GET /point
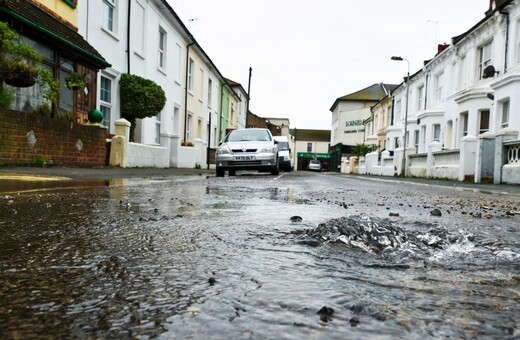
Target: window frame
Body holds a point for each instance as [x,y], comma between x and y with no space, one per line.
[482,130]
[161,49]
[439,86]
[191,65]
[210,91]
[109,22]
[483,63]
[189,124]
[505,114]
[158,126]
[436,133]
[103,104]
[420,97]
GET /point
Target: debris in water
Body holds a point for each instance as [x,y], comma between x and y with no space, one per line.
[296,219]
[435,212]
[326,313]
[367,233]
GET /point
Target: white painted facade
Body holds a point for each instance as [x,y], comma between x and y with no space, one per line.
[452,102]
[158,47]
[347,122]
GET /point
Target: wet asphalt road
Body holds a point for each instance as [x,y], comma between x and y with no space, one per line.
[203,257]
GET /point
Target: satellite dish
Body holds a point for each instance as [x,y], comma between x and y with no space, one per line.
[489,72]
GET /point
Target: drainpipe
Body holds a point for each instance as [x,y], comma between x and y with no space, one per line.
[426,92]
[128,37]
[186,89]
[220,113]
[87,12]
[506,13]
[249,90]
[392,114]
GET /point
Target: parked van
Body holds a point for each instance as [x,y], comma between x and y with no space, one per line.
[284,153]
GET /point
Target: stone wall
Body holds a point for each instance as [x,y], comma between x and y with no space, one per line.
[30,139]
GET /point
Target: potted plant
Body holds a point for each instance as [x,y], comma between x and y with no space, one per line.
[75,81]
[19,63]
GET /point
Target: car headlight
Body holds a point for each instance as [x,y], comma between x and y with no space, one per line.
[285,158]
[223,150]
[268,149]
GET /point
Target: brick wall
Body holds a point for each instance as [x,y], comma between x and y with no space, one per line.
[25,138]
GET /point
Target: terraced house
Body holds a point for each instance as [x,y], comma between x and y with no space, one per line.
[459,116]
[148,39]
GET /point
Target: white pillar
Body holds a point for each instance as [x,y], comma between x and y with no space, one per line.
[119,145]
[501,153]
[467,157]
[430,161]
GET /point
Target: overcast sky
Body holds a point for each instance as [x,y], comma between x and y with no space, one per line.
[307,53]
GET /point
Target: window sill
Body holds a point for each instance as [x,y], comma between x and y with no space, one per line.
[163,71]
[139,55]
[110,33]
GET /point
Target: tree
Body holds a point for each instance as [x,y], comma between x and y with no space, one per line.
[363,149]
[140,98]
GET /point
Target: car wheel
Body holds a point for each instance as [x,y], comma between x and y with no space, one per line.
[232,172]
[220,173]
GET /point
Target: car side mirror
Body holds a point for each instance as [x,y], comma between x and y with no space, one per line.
[220,143]
[275,141]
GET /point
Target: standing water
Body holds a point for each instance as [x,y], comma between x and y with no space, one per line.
[214,258]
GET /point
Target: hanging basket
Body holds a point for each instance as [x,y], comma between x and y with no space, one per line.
[20,81]
[75,81]
[19,74]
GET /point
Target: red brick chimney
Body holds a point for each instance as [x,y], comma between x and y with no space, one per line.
[442,47]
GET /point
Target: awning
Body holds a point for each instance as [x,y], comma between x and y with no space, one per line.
[313,155]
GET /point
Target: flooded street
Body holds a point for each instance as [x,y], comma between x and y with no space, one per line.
[301,255]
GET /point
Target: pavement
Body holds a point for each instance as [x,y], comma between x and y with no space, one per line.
[12,174]
[101,173]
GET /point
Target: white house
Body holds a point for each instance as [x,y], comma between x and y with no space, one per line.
[148,39]
[349,113]
[463,106]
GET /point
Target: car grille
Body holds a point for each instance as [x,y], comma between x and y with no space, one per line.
[242,150]
[247,163]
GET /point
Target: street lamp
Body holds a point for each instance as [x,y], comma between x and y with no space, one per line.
[396,58]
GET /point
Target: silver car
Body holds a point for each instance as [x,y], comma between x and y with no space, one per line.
[247,149]
[314,165]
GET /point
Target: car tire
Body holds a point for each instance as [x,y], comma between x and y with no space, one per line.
[232,172]
[220,173]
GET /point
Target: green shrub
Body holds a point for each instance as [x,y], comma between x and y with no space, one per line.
[140,98]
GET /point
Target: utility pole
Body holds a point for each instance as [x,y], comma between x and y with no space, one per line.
[248,91]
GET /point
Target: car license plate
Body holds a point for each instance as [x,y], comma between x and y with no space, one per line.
[244,158]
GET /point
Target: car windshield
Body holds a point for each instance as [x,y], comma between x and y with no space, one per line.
[315,162]
[282,146]
[248,136]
